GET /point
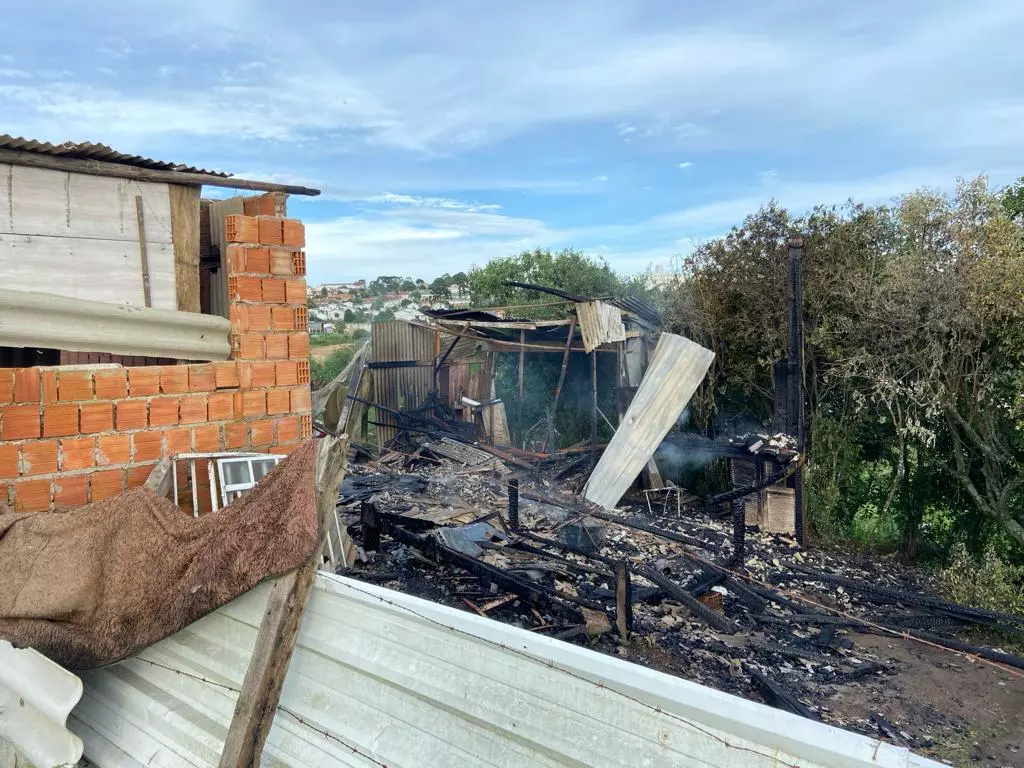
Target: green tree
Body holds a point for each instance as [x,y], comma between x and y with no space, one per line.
[440,289]
[407,285]
[568,270]
[350,316]
[1013,200]
[323,292]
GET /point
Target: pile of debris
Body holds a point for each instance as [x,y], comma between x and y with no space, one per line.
[660,583]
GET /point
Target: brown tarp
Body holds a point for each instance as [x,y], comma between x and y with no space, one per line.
[95,584]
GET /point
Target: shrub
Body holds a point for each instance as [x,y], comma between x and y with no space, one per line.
[992,584]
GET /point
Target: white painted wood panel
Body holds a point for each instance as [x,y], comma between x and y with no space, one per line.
[676,370]
[37,201]
[98,270]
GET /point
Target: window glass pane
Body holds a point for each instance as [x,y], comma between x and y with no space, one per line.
[260,467]
[237,472]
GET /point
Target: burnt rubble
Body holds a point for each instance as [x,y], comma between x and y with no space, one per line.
[660,583]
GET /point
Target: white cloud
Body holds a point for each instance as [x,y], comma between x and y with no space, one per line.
[106,71]
[6,58]
[15,74]
[417,201]
[600,178]
[686,164]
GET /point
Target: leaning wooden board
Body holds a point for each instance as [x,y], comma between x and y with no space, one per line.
[676,370]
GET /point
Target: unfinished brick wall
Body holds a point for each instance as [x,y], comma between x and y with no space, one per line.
[71,435]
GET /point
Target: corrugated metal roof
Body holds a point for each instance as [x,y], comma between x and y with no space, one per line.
[86,150]
[36,697]
[382,678]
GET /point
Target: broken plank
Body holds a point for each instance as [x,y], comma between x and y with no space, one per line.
[678,368]
[279,629]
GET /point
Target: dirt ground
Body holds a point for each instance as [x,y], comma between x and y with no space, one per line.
[972,713]
[322,353]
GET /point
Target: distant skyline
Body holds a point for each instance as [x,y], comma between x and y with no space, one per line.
[445,134]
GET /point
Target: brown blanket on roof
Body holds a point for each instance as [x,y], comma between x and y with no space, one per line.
[98,583]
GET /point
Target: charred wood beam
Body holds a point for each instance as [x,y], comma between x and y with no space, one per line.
[910,598]
[747,490]
[623,600]
[695,607]
[777,696]
[567,548]
[569,564]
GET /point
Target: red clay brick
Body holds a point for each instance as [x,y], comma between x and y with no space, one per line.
[174,379]
[226,375]
[19,422]
[106,483]
[295,291]
[260,205]
[136,477]
[74,385]
[301,321]
[250,346]
[294,233]
[257,260]
[262,375]
[32,496]
[305,427]
[26,385]
[284,449]
[6,385]
[147,446]
[39,458]
[276,346]
[278,401]
[301,399]
[261,433]
[274,290]
[60,420]
[235,259]
[193,409]
[78,453]
[143,381]
[236,435]
[201,378]
[258,317]
[111,384]
[95,417]
[302,371]
[131,414]
[163,411]
[248,288]
[70,491]
[221,407]
[8,462]
[254,403]
[206,438]
[298,346]
[241,229]
[281,262]
[48,384]
[287,374]
[178,440]
[299,262]
[271,231]
[282,318]
[5,489]
[287,429]
[114,449]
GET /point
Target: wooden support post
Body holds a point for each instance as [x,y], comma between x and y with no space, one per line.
[147,296]
[185,242]
[594,410]
[268,666]
[519,402]
[558,390]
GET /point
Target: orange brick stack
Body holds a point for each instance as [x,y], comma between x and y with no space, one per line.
[73,435]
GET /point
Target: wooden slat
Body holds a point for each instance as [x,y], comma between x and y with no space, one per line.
[143,256]
[677,369]
[185,240]
[600,323]
[268,666]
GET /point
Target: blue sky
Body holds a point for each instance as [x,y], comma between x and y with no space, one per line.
[446,133]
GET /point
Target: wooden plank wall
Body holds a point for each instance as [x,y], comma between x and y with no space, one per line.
[184,203]
[75,235]
[219,209]
[401,388]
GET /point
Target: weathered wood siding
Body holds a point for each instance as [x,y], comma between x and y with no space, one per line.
[78,236]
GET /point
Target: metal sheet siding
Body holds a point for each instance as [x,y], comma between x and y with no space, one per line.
[86,150]
[401,388]
[36,697]
[381,678]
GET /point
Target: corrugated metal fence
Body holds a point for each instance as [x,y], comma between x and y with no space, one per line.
[407,383]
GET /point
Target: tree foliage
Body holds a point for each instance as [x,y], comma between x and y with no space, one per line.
[914,355]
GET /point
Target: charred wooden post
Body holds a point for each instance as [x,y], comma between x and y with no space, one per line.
[739,530]
[550,447]
[623,600]
[513,504]
[594,410]
[795,370]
